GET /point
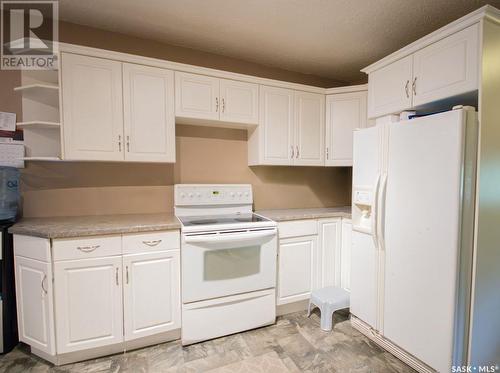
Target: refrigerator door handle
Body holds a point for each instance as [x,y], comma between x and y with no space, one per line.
[374,214]
[381,213]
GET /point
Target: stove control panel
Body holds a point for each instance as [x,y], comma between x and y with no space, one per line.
[212,194]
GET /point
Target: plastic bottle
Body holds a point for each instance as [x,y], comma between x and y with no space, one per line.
[9,193]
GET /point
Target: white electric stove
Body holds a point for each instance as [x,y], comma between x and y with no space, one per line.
[228,257]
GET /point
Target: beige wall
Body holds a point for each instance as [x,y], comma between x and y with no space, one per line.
[204,155]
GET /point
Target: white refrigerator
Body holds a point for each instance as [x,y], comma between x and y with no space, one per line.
[413,219]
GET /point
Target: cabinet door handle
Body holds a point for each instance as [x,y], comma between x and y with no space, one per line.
[88,249]
[293,153]
[43,284]
[223,104]
[128,143]
[414,86]
[406,89]
[297,155]
[327,153]
[116,277]
[217,104]
[120,143]
[126,273]
[151,243]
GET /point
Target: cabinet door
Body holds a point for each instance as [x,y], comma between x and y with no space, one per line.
[309,129]
[389,88]
[88,303]
[447,68]
[196,96]
[151,293]
[276,125]
[330,249]
[239,102]
[345,255]
[148,103]
[344,113]
[35,307]
[92,108]
[298,270]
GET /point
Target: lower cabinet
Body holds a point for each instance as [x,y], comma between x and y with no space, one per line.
[88,303]
[96,296]
[298,272]
[150,307]
[35,306]
[312,254]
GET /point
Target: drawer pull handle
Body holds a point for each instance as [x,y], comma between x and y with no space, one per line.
[88,249]
[42,284]
[151,243]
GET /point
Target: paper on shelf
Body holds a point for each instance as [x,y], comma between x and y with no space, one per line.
[7,121]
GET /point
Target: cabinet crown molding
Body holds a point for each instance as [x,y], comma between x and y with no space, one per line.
[486,12]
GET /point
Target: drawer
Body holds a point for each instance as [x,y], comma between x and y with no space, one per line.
[150,242]
[298,228]
[86,247]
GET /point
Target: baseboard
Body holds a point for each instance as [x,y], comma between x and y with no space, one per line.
[285,309]
[387,345]
[92,353]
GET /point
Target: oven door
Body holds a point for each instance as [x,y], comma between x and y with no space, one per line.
[218,264]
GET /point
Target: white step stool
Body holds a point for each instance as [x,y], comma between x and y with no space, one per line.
[328,300]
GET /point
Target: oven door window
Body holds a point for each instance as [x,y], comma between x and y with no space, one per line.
[227,264]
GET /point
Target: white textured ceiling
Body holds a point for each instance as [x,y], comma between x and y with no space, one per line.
[328,38]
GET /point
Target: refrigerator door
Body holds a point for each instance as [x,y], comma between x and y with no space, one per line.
[422,235]
[367,163]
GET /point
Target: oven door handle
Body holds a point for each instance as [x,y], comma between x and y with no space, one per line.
[240,239]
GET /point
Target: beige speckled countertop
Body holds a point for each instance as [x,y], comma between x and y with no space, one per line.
[78,226]
[299,214]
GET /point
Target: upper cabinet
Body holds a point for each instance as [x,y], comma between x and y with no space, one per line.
[239,102]
[291,129]
[196,96]
[344,113]
[272,141]
[309,129]
[200,97]
[149,123]
[389,89]
[92,108]
[446,68]
[114,115]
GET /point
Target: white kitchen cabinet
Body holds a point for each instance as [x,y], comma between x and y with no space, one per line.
[88,303]
[196,96]
[344,113]
[149,113]
[92,108]
[291,129]
[389,88]
[309,129]
[447,68]
[239,102]
[34,296]
[330,240]
[200,97]
[345,255]
[298,272]
[151,293]
[272,142]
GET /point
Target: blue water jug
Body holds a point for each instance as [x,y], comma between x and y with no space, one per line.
[9,192]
